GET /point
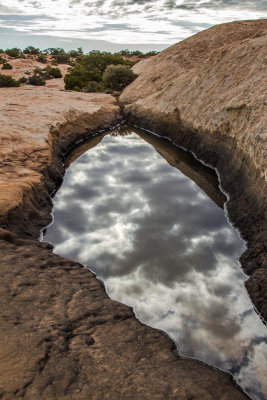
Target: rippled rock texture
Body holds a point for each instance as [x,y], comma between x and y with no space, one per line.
[63,338]
[208,94]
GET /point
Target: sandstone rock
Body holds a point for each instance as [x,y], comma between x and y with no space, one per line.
[208,94]
[34,120]
[61,336]
[215,81]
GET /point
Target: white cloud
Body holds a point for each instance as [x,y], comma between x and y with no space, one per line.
[161,248]
[137,22]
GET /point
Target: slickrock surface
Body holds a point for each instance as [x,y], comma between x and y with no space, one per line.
[61,336]
[24,67]
[208,94]
[38,124]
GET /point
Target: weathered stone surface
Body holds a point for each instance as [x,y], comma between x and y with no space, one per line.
[34,121]
[208,94]
[205,177]
[214,81]
[63,338]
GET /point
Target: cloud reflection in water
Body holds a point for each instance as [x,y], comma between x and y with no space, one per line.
[162,246]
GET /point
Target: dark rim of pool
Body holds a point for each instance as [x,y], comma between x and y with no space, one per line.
[148,218]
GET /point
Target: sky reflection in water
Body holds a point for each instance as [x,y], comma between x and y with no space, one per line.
[162,246]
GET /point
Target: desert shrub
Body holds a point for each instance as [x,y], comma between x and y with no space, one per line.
[148,54]
[38,71]
[42,59]
[72,64]
[61,58]
[52,72]
[136,53]
[139,54]
[108,91]
[14,52]
[125,53]
[6,66]
[129,53]
[2,60]
[90,68]
[8,81]
[53,50]
[93,87]
[36,80]
[23,80]
[76,53]
[39,75]
[75,82]
[151,53]
[117,77]
[31,50]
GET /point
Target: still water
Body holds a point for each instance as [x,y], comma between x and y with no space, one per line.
[163,245]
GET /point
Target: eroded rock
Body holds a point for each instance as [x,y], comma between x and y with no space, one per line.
[62,337]
[208,94]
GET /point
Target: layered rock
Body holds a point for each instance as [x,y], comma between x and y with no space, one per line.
[38,126]
[62,337]
[208,94]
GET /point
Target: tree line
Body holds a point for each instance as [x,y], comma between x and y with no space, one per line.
[96,71]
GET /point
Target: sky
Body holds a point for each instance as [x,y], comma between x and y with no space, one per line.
[112,25]
[164,248]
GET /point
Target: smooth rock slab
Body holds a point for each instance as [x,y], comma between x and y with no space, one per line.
[208,94]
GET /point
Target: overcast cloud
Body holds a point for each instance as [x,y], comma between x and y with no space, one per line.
[144,24]
[163,247]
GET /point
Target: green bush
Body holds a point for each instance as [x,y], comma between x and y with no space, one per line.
[31,50]
[74,82]
[90,68]
[151,53]
[76,53]
[93,87]
[139,54]
[53,72]
[2,60]
[61,58]
[7,66]
[53,50]
[14,52]
[23,80]
[117,77]
[8,81]
[37,80]
[42,59]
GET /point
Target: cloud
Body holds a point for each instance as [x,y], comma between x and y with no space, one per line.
[6,9]
[149,22]
[163,248]
[154,214]
[259,5]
